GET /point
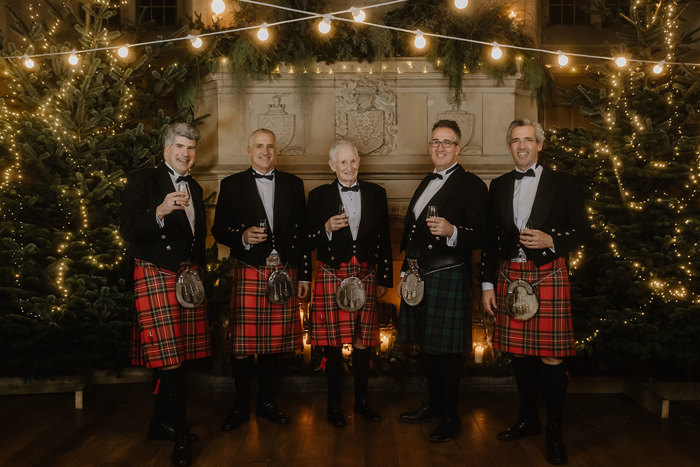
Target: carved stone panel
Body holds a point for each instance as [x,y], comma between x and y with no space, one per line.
[365,113]
[465,121]
[283,124]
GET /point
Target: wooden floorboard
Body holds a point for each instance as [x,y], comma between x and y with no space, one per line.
[600,430]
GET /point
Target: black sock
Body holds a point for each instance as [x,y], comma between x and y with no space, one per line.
[172,388]
[432,371]
[527,374]
[360,368]
[334,359]
[243,371]
[450,377]
[160,409]
[554,384]
[267,371]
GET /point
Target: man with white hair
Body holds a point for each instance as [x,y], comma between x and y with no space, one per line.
[536,218]
[348,224]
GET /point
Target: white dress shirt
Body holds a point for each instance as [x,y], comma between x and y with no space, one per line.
[433,187]
[266,191]
[352,202]
[189,209]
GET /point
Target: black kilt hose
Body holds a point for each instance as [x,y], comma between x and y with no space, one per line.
[441,323]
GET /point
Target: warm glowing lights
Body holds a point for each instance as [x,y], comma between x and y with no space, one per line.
[73,58]
[561,58]
[218,6]
[659,67]
[28,62]
[196,41]
[461,4]
[357,14]
[324,26]
[419,41]
[263,33]
[621,61]
[123,51]
[496,52]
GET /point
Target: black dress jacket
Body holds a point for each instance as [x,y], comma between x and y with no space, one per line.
[174,243]
[239,207]
[557,210]
[373,243]
[462,201]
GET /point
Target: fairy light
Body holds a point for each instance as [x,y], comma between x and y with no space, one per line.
[496,52]
[621,61]
[461,4]
[28,62]
[659,67]
[263,34]
[561,58]
[73,58]
[123,51]
[218,6]
[357,14]
[196,41]
[419,40]
[324,26]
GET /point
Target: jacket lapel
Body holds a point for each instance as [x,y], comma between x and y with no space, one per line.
[410,217]
[282,206]
[251,191]
[444,194]
[543,199]
[166,186]
[366,207]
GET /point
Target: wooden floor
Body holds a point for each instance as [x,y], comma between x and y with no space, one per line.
[600,430]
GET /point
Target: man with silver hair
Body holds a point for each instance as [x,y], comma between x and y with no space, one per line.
[163,220]
[536,218]
[348,224]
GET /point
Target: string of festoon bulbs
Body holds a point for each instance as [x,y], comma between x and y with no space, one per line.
[324,27]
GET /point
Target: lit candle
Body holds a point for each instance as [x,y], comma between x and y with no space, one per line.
[479,353]
[384,339]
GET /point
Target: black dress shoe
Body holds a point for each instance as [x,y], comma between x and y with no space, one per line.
[237,417]
[447,430]
[164,431]
[424,414]
[335,417]
[520,429]
[556,452]
[182,454]
[269,410]
[362,407]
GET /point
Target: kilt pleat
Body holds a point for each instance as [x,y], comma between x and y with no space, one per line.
[550,332]
[164,332]
[441,323]
[256,325]
[333,326]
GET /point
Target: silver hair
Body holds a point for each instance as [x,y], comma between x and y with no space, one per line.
[186,130]
[261,130]
[539,132]
[339,144]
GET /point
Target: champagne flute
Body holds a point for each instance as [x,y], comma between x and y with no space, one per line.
[341,210]
[262,223]
[184,187]
[432,211]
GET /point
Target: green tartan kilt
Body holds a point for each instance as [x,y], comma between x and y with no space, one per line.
[441,323]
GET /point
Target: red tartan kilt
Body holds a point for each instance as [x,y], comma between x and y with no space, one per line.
[333,326]
[550,332]
[256,325]
[165,333]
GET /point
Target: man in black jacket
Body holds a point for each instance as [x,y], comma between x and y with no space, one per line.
[165,229]
[445,222]
[348,223]
[260,217]
[536,218]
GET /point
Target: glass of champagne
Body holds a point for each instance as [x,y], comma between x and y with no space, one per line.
[432,211]
[341,210]
[262,223]
[184,187]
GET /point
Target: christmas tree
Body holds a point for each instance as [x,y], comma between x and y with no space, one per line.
[71,131]
[636,284]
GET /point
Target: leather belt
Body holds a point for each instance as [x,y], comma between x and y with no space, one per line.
[431,263]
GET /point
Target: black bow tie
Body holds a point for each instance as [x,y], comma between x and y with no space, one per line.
[268,177]
[355,187]
[434,175]
[186,178]
[520,175]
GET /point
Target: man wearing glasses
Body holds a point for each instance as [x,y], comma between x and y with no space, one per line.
[260,217]
[445,222]
[536,218]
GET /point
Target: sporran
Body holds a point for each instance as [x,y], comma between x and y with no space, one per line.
[350,294]
[521,300]
[189,288]
[413,287]
[279,287]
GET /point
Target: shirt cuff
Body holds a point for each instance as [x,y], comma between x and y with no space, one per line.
[245,245]
[452,241]
[161,222]
[330,235]
[487,286]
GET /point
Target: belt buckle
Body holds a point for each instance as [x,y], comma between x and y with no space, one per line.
[273,260]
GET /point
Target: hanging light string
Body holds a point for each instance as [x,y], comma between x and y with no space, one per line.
[353,10]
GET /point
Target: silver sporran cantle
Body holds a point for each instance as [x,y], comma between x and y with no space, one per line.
[350,294]
[413,286]
[521,300]
[279,287]
[189,288]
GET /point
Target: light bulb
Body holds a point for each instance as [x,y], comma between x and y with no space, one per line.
[659,67]
[123,51]
[419,41]
[218,6]
[496,51]
[196,41]
[357,14]
[263,33]
[73,58]
[562,59]
[461,4]
[325,25]
[620,61]
[28,62]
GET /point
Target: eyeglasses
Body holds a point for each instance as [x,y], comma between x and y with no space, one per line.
[445,143]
